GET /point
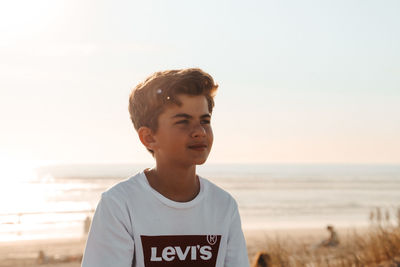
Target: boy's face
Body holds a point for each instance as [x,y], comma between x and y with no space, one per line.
[184,135]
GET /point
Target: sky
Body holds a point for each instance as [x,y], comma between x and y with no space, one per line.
[299,81]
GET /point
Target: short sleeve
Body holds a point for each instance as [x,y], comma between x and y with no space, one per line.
[236,254]
[110,241]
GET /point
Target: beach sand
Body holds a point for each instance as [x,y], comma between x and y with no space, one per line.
[25,253]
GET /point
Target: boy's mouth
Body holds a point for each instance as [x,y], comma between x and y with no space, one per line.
[198,147]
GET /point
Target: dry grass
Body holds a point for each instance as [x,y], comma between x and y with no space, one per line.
[380,246]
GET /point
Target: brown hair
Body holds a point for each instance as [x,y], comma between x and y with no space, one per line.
[149,98]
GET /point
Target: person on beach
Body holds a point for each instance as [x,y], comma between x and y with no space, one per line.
[86,225]
[333,239]
[168,215]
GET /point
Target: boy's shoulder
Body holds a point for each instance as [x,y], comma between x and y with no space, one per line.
[125,187]
[214,188]
[130,193]
[216,194]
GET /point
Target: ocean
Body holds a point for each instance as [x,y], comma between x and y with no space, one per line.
[56,200]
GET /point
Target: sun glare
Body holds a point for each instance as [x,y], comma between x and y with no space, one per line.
[14,171]
[15,188]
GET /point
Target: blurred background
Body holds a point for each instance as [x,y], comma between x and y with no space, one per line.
[306,123]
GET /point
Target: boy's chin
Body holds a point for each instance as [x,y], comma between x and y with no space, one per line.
[201,162]
[195,161]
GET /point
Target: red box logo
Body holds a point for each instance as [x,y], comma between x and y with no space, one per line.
[180,250]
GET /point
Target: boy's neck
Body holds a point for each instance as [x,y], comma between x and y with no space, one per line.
[176,183]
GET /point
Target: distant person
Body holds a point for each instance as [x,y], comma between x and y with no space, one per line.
[333,239]
[43,258]
[86,225]
[398,217]
[168,215]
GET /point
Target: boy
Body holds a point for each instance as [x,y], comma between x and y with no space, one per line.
[167,215]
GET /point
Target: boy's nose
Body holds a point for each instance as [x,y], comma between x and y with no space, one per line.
[199,131]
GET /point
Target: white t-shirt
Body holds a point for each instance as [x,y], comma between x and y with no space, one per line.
[134,225]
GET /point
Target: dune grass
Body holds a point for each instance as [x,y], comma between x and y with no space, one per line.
[379,246]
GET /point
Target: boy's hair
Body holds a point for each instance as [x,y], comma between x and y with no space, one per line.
[149,98]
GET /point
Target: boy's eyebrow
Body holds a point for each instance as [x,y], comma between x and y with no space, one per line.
[187,116]
[205,116]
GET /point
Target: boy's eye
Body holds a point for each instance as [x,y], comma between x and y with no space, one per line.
[205,122]
[182,122]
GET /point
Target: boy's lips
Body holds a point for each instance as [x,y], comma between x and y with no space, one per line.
[199,147]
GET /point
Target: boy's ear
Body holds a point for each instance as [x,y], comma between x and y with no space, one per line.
[146,137]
